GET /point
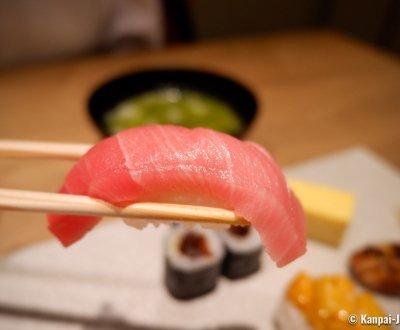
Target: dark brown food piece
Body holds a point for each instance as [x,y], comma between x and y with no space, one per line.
[194,245]
[378,268]
[239,230]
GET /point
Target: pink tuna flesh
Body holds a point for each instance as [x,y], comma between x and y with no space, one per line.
[189,166]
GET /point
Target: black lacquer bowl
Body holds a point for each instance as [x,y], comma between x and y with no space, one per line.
[112,92]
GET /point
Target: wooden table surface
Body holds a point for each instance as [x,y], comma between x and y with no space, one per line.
[318,92]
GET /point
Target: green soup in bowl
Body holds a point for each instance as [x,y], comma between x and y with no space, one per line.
[170,96]
[174,106]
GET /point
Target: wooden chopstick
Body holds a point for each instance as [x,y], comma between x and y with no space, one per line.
[21,200]
[49,150]
[83,205]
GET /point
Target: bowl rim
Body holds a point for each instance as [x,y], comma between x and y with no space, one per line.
[244,92]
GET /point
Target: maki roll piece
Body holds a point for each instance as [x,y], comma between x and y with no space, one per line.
[243,250]
[193,262]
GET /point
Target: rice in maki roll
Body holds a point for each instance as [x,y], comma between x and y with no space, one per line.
[193,261]
[243,251]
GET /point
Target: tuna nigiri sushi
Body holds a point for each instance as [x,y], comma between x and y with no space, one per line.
[172,164]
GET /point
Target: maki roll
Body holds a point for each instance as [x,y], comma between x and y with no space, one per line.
[193,261]
[243,251]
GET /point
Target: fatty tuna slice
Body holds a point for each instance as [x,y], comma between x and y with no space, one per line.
[199,166]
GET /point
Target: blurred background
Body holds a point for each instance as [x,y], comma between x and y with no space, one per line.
[321,79]
[37,30]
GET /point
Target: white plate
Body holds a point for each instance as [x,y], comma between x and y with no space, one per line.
[119,268]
